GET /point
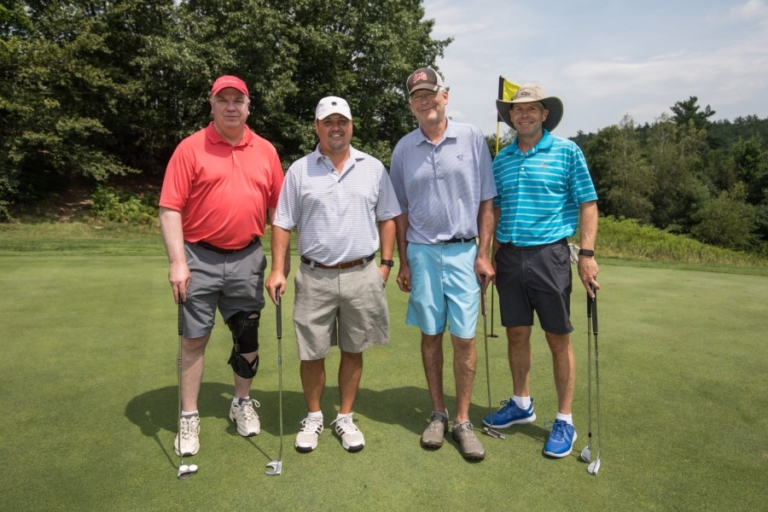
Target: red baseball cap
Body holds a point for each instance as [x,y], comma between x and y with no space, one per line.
[228,81]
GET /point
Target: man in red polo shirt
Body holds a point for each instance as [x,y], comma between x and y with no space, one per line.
[219,186]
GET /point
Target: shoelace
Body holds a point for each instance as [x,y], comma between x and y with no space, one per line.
[186,427]
[345,425]
[558,430]
[312,425]
[467,427]
[507,403]
[247,409]
[436,424]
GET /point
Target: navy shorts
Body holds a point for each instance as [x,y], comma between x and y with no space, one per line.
[535,279]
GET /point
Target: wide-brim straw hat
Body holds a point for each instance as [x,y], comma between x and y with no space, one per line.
[529,93]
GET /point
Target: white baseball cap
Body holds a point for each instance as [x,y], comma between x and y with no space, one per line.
[332,105]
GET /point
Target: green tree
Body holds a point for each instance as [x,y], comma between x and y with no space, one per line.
[689,111]
[97,89]
[727,221]
[676,155]
[625,181]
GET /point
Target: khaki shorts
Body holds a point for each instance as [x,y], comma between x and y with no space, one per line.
[346,307]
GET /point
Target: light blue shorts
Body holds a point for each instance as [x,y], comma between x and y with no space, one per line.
[444,288]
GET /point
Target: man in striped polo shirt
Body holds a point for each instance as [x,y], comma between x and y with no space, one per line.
[443,179]
[544,191]
[335,196]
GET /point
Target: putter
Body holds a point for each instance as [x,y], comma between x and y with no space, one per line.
[490,431]
[586,454]
[185,471]
[277,465]
[492,308]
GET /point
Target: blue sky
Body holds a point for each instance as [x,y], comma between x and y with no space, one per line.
[605,59]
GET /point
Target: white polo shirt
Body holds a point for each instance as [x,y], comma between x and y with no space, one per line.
[336,213]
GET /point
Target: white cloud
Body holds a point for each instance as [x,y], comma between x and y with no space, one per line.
[604,62]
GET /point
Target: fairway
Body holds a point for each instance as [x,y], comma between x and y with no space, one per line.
[88,387]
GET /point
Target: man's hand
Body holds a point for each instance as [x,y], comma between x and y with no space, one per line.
[404,276]
[484,271]
[179,277]
[275,285]
[588,270]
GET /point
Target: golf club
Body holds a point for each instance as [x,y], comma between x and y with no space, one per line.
[492,308]
[277,465]
[185,471]
[586,454]
[488,430]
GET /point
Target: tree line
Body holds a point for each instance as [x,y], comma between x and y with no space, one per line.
[684,174]
[97,90]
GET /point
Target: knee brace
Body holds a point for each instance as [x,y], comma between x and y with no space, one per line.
[245,337]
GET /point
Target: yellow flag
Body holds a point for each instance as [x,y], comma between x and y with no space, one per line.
[507,89]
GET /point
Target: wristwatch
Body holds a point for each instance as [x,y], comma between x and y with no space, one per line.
[586,252]
[389,263]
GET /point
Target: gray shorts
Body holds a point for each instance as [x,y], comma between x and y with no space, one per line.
[346,307]
[233,282]
[538,280]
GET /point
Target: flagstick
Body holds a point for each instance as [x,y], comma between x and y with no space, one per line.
[498,134]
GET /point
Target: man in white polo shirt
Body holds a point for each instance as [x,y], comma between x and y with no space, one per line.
[335,196]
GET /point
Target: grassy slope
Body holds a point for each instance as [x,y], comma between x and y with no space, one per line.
[89,399]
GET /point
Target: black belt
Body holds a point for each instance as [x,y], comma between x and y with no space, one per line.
[338,266]
[206,245]
[562,241]
[458,241]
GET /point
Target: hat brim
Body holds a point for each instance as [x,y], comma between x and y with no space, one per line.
[552,104]
[424,87]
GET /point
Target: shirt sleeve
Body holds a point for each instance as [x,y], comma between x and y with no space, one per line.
[388,206]
[396,177]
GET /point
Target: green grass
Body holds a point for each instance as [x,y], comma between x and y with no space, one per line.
[88,382]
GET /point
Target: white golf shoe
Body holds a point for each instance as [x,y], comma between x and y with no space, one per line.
[243,414]
[190,436]
[351,438]
[306,439]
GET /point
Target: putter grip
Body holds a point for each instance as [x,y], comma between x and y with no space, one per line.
[594,314]
[181,317]
[482,302]
[279,317]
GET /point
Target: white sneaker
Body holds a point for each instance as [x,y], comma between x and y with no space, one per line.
[245,417]
[306,439]
[190,436]
[351,438]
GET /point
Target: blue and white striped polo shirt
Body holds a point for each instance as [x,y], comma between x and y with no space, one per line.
[441,186]
[540,191]
[336,214]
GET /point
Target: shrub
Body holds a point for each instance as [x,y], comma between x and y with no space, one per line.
[110,205]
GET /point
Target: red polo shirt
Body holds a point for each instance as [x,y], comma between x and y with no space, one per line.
[222,191]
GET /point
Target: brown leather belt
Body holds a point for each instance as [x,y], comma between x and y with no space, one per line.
[206,245]
[340,266]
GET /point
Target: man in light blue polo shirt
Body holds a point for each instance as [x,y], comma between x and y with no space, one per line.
[335,196]
[544,191]
[443,179]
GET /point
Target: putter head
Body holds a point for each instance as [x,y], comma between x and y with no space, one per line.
[186,471]
[586,456]
[493,433]
[277,468]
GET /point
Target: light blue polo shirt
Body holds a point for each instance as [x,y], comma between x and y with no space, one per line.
[440,186]
[540,191]
[336,214]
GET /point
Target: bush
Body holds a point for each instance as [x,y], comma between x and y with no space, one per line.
[110,205]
